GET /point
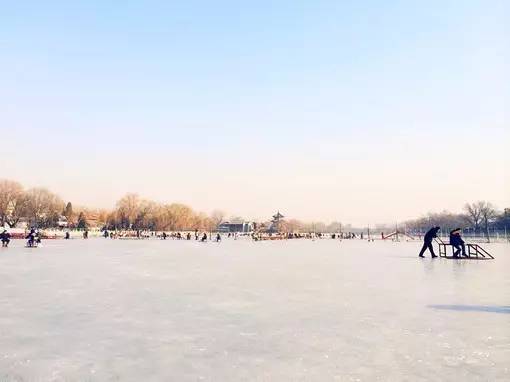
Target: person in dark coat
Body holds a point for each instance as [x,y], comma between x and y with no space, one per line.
[457,243]
[5,237]
[427,241]
[33,238]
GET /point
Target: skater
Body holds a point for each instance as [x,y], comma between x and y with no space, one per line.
[204,238]
[86,234]
[427,241]
[457,243]
[33,238]
[218,238]
[67,236]
[5,237]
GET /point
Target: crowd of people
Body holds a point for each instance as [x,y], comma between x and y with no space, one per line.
[459,247]
[113,234]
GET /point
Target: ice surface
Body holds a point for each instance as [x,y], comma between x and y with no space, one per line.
[151,310]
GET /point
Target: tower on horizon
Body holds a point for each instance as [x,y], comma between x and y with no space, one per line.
[275,222]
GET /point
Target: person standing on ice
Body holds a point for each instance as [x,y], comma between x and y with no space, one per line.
[457,243]
[427,241]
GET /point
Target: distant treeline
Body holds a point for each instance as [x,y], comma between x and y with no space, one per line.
[42,208]
[479,217]
[35,205]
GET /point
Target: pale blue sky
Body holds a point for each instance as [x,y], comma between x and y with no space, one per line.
[324,109]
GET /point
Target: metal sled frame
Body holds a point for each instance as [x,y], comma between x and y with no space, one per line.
[474,251]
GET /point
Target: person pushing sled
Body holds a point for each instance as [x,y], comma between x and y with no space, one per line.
[427,242]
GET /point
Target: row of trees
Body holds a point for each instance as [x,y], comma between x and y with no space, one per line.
[135,213]
[42,208]
[37,205]
[479,216]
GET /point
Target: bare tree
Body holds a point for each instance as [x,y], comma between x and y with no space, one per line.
[320,227]
[168,218]
[43,207]
[175,217]
[102,217]
[209,225]
[146,215]
[217,217]
[127,210]
[12,202]
[201,221]
[334,227]
[184,215]
[488,214]
[293,225]
[474,213]
[18,210]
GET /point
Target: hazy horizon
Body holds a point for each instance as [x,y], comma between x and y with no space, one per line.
[268,213]
[361,113]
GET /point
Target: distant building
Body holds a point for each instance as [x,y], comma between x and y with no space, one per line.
[244,227]
[275,223]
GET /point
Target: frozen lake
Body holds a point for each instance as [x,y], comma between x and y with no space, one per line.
[106,310]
